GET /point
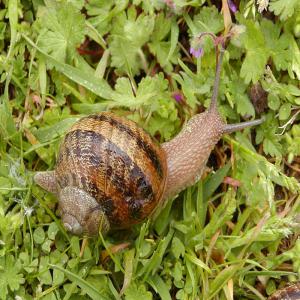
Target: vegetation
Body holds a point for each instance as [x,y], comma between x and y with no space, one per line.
[234,232]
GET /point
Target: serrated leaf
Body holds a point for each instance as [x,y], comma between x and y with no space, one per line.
[63,30]
[137,292]
[162,27]
[277,44]
[9,275]
[272,147]
[129,34]
[256,53]
[208,20]
[284,8]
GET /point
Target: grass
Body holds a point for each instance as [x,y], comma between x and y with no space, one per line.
[234,234]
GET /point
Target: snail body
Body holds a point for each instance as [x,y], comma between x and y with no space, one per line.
[289,292]
[111,174]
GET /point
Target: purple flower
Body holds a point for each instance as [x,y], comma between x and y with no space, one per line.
[232,6]
[178,97]
[196,52]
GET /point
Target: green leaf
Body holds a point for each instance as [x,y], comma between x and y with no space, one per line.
[272,147]
[63,30]
[128,261]
[39,235]
[273,101]
[162,27]
[9,275]
[222,214]
[284,8]
[7,125]
[46,247]
[129,34]
[177,247]
[52,230]
[99,12]
[152,94]
[164,53]
[208,20]
[237,89]
[285,111]
[137,292]
[256,53]
[277,44]
[58,277]
[266,133]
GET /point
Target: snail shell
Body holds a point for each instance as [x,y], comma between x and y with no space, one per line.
[117,163]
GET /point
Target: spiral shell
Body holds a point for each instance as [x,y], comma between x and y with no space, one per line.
[117,163]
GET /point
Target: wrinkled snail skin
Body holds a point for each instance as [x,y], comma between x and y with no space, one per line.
[290,292]
[188,152]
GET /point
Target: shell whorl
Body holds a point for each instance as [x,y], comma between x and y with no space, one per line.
[117,163]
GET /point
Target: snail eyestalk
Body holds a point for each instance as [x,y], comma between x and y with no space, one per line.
[239,126]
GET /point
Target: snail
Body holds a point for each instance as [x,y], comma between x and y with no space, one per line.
[111,174]
[289,292]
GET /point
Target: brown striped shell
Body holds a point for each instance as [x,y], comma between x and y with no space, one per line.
[289,292]
[117,163]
